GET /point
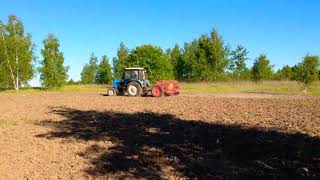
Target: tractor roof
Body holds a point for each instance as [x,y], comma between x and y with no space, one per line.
[137,68]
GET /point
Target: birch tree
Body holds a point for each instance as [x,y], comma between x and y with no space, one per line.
[308,71]
[16,52]
[53,72]
[237,65]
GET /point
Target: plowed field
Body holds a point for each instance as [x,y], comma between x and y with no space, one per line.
[65,135]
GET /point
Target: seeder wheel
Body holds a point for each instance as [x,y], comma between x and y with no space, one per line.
[157,91]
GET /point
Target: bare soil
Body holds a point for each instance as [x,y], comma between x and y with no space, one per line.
[59,135]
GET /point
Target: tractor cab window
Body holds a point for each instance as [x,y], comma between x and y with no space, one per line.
[142,75]
[131,75]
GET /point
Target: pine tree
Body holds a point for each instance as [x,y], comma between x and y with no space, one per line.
[175,58]
[89,71]
[120,60]
[217,54]
[104,74]
[285,73]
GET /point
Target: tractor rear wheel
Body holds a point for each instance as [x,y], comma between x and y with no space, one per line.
[134,89]
[157,91]
[112,92]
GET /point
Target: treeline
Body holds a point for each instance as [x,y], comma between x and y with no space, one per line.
[95,72]
[152,58]
[207,58]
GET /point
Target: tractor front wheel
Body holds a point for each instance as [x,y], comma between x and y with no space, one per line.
[157,91]
[134,89]
[112,92]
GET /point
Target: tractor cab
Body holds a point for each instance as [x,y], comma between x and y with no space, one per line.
[133,82]
[134,74]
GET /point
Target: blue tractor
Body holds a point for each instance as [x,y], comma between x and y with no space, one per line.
[133,82]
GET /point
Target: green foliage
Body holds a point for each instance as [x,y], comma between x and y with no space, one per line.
[176,59]
[4,78]
[282,87]
[295,72]
[89,71]
[119,61]
[237,64]
[152,59]
[104,74]
[285,73]
[53,73]
[16,54]
[308,70]
[245,74]
[261,70]
[180,69]
[205,58]
[72,82]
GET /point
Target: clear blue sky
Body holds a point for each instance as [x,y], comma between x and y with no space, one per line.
[284,30]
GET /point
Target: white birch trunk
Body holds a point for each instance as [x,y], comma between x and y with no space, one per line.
[17,75]
[8,62]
